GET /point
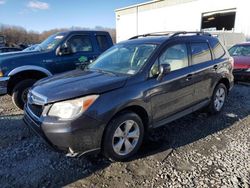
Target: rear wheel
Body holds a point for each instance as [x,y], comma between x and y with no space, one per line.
[123,137]
[218,99]
[20,92]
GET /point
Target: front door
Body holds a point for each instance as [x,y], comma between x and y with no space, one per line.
[174,92]
[83,51]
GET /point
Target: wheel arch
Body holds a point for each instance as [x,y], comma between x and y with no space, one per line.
[25,72]
[29,68]
[137,109]
[224,81]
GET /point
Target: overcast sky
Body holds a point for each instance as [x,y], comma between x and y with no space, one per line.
[48,14]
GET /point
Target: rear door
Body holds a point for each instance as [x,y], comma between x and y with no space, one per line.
[174,92]
[203,69]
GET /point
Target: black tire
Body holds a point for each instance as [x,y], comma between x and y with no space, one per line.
[18,94]
[212,109]
[107,145]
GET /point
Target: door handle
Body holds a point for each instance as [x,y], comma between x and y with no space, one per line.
[189,77]
[215,67]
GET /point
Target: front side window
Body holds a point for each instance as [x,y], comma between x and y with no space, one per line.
[80,43]
[200,53]
[240,50]
[176,56]
[124,58]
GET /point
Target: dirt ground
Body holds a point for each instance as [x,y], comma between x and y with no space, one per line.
[195,151]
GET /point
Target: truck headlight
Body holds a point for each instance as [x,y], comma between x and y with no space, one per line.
[72,108]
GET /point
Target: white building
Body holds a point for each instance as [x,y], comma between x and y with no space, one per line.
[183,15]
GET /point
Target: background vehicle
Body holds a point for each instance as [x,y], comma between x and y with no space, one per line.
[241,55]
[143,83]
[61,52]
[229,39]
[2,41]
[9,49]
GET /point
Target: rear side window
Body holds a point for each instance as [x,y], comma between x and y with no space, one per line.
[200,53]
[218,50]
[102,42]
[176,56]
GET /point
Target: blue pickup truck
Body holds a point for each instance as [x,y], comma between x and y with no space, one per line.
[59,53]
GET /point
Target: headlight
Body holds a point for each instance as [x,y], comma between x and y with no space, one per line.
[248,70]
[1,73]
[72,108]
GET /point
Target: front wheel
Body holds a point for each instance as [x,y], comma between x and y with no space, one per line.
[218,99]
[123,137]
[20,91]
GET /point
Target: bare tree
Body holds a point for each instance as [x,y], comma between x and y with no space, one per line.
[16,35]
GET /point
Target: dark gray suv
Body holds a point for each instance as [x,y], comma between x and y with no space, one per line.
[136,85]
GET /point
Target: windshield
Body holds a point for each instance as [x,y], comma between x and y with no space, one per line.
[31,48]
[50,43]
[240,50]
[124,58]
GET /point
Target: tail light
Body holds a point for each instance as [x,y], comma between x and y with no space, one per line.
[231,60]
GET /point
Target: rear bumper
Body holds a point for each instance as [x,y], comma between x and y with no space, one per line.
[77,137]
[3,85]
[241,76]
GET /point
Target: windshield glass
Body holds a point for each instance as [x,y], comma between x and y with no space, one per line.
[124,58]
[50,43]
[240,50]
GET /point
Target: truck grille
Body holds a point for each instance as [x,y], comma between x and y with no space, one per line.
[37,110]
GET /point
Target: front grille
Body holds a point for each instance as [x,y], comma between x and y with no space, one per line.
[37,110]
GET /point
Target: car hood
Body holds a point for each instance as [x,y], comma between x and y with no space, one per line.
[14,55]
[241,62]
[77,83]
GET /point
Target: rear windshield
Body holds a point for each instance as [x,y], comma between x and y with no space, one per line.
[240,50]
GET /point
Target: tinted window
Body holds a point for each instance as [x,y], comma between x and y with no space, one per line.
[102,42]
[217,48]
[176,56]
[80,43]
[200,53]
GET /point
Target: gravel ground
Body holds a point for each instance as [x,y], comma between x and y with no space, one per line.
[195,151]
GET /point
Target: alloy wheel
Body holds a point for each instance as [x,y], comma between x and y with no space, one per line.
[126,137]
[220,97]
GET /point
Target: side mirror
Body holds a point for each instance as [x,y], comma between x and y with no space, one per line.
[164,69]
[63,50]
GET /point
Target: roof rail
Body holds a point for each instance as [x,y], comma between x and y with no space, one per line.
[152,34]
[171,33]
[190,32]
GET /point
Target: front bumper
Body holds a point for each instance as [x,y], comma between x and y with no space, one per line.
[79,136]
[3,85]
